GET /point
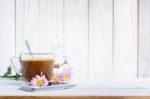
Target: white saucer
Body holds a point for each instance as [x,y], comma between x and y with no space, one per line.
[27,87]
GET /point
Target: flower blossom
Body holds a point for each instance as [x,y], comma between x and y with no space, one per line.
[39,81]
[67,74]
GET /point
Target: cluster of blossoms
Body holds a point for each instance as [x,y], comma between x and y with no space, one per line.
[59,75]
[62,74]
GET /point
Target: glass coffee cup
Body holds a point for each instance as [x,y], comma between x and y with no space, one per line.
[34,64]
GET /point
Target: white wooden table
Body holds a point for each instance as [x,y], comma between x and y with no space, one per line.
[103,88]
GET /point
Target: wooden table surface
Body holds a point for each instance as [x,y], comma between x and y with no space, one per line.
[10,89]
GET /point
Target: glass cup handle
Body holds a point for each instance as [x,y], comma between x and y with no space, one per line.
[13,66]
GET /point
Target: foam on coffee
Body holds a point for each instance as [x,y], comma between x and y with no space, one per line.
[37,59]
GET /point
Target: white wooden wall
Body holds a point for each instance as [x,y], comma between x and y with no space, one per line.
[40,22]
[144,38]
[7,32]
[101,38]
[76,34]
[125,38]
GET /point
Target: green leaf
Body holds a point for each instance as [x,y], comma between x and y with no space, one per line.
[8,75]
[8,72]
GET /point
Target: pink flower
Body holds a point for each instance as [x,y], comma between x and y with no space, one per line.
[39,81]
[67,74]
[56,78]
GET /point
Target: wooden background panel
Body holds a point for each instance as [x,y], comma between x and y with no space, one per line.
[7,32]
[125,38]
[27,24]
[144,38]
[100,39]
[51,27]
[40,22]
[76,35]
[59,47]
[83,30]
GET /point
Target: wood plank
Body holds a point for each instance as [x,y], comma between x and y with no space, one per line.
[76,35]
[100,39]
[7,32]
[27,24]
[75,97]
[125,38]
[144,38]
[40,22]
